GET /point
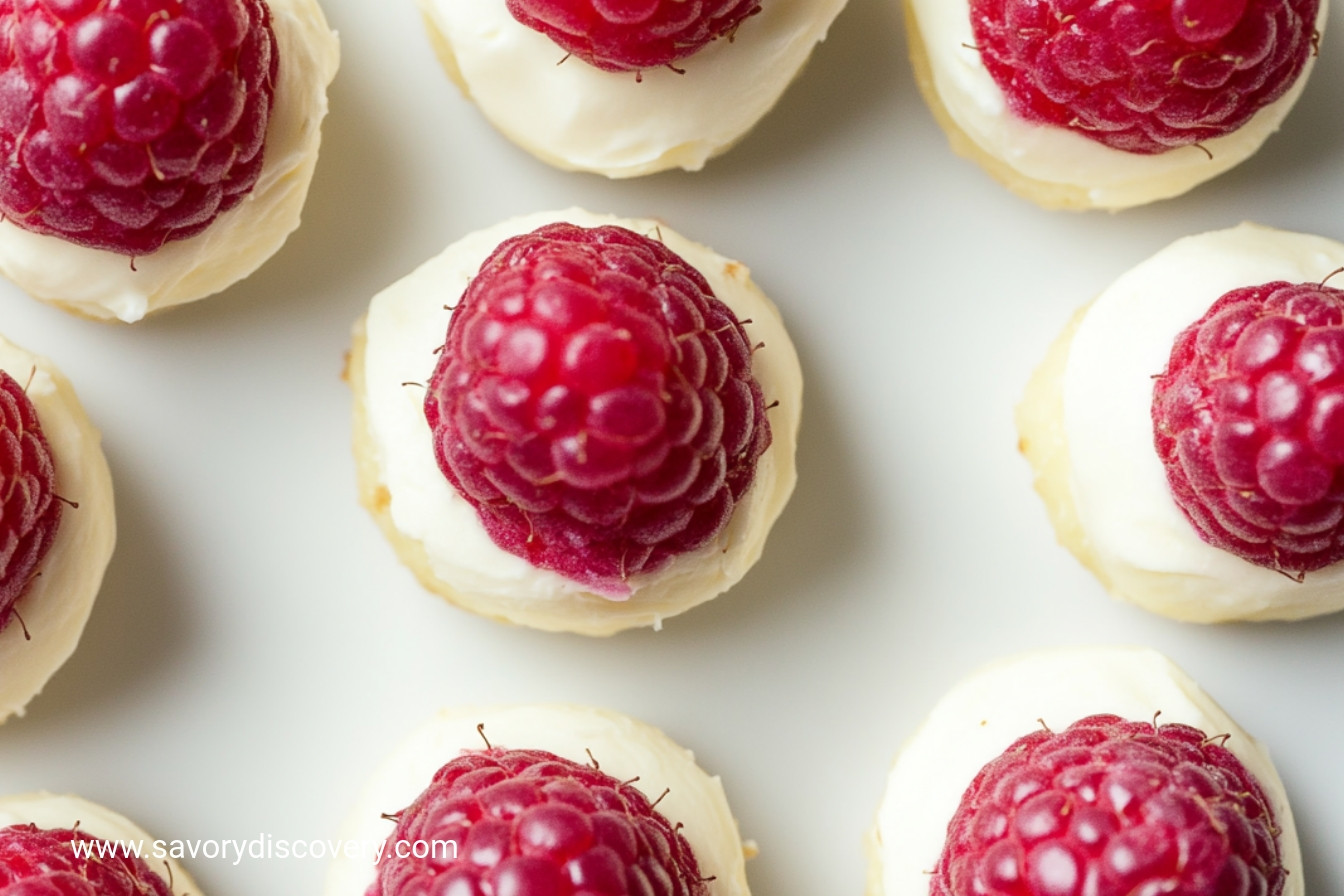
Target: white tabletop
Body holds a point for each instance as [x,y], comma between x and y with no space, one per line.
[257,648]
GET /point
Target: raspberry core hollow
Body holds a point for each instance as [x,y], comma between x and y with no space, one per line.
[595,403]
[439,534]
[127,125]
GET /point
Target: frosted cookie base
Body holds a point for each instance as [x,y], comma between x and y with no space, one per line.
[438,534]
[109,286]
[1049,165]
[578,118]
[63,812]
[982,716]
[1085,426]
[60,599]
[623,747]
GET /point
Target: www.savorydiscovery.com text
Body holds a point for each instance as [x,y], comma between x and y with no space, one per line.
[262,847]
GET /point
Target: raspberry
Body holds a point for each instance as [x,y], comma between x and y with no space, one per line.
[629,35]
[36,861]
[128,123]
[594,402]
[1144,77]
[30,511]
[1248,419]
[1109,807]
[526,823]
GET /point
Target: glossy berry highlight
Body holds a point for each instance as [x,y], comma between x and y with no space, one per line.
[30,512]
[631,35]
[595,404]
[125,124]
[1110,807]
[36,861]
[1144,77]
[529,823]
[1248,420]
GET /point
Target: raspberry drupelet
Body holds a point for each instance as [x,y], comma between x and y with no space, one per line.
[595,404]
[125,124]
[1144,77]
[30,512]
[34,860]
[1109,807]
[630,35]
[1248,420]
[528,822]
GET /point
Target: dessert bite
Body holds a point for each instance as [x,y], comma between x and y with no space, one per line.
[1102,105]
[1087,770]
[157,152]
[1185,435]
[575,422]
[57,524]
[625,89]
[66,844]
[541,799]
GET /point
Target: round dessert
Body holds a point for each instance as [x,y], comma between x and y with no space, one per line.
[544,798]
[1223,548]
[604,437]
[1088,770]
[65,844]
[638,106]
[155,163]
[1104,105]
[58,523]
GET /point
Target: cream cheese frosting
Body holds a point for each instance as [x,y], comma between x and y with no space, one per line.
[981,717]
[60,598]
[1136,533]
[58,812]
[577,117]
[623,748]
[1108,178]
[405,327]
[110,286]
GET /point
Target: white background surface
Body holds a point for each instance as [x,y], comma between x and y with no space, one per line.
[257,649]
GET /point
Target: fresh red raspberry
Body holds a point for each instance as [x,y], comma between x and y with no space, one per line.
[35,861]
[1145,76]
[595,403]
[30,511]
[1248,419]
[630,35]
[128,123]
[1109,807]
[529,823]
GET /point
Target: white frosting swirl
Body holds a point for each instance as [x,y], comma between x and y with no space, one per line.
[1109,177]
[58,602]
[623,748]
[406,325]
[56,812]
[110,286]
[578,117]
[1118,483]
[981,717]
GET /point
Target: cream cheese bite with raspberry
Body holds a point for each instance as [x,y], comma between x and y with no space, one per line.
[1191,454]
[552,798]
[159,152]
[602,439]
[58,526]
[1110,105]
[640,87]
[53,843]
[1104,771]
